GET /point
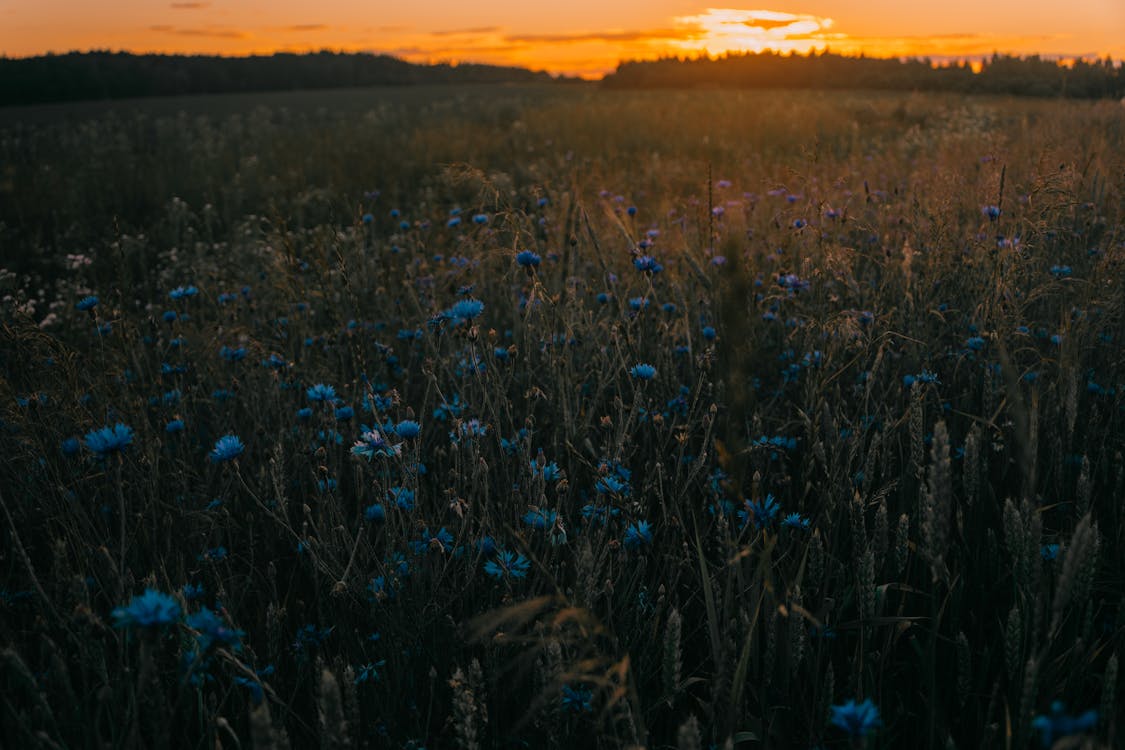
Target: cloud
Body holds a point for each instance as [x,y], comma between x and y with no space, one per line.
[210,33]
[467,32]
[658,35]
[305,27]
[189,6]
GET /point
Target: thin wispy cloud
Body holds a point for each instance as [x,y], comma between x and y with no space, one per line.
[467,32]
[189,6]
[209,33]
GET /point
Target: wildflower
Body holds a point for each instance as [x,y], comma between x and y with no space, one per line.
[320,392]
[611,485]
[507,564]
[369,672]
[375,513]
[402,497]
[857,720]
[70,446]
[344,413]
[87,303]
[174,426]
[371,443]
[233,354]
[181,292]
[795,521]
[407,429]
[540,519]
[1058,724]
[480,219]
[304,413]
[442,541]
[226,448]
[709,333]
[192,591]
[464,311]
[992,212]
[759,512]
[1049,552]
[213,631]
[643,371]
[109,439]
[647,264]
[577,700]
[638,535]
[976,343]
[150,609]
[528,259]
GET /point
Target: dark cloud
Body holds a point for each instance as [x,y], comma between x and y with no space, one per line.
[608,36]
[211,33]
[467,32]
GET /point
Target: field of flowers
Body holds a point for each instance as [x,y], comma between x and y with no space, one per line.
[563,418]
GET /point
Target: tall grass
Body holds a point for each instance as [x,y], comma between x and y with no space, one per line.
[877,454]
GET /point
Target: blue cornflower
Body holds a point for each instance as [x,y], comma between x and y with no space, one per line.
[407,429]
[760,512]
[304,413]
[464,311]
[70,446]
[174,426]
[181,292]
[192,591]
[371,443]
[235,354]
[507,564]
[643,371]
[540,519]
[976,343]
[857,720]
[795,521]
[375,513]
[344,413]
[480,219]
[1059,724]
[709,333]
[550,472]
[1049,552]
[274,361]
[320,392]
[577,700]
[150,609]
[87,303]
[109,439]
[213,631]
[528,259]
[442,541]
[638,535]
[402,497]
[369,672]
[647,264]
[992,212]
[226,448]
[611,485]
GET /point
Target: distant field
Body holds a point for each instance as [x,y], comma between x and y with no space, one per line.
[559,417]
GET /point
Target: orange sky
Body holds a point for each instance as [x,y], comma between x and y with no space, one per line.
[583,37]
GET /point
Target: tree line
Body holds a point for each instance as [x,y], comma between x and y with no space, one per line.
[998,74]
[113,75]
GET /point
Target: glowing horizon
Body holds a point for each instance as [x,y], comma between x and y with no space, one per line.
[561,40]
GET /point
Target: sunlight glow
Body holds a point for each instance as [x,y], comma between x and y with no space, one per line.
[729,30]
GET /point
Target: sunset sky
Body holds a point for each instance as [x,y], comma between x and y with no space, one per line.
[582,37]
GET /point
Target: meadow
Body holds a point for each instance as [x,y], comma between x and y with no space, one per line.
[550,417]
